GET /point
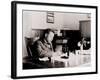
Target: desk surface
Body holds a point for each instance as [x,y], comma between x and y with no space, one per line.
[74,60]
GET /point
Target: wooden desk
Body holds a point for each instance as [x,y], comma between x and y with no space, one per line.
[74,60]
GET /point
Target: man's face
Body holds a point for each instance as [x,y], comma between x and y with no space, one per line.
[50,37]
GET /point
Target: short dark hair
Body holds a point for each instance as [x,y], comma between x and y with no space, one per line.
[49,30]
[46,31]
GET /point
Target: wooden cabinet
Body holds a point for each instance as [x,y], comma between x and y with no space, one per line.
[68,40]
[85,28]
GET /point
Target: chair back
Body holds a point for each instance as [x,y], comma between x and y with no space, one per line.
[29,42]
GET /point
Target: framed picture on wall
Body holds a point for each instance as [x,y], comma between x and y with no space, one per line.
[50,17]
[66,47]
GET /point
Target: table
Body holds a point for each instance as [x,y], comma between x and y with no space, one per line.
[74,60]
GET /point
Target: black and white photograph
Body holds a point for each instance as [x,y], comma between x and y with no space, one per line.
[66,43]
[52,39]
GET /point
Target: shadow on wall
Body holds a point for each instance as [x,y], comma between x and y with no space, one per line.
[35,34]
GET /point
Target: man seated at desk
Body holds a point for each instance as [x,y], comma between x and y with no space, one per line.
[42,48]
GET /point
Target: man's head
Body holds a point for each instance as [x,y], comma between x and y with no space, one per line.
[49,35]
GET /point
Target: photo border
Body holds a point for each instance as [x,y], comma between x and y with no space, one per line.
[14,38]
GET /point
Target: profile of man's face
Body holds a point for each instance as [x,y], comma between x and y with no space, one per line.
[50,36]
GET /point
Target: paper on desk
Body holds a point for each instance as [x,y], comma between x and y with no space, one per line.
[44,59]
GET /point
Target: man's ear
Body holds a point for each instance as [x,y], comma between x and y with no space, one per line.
[46,35]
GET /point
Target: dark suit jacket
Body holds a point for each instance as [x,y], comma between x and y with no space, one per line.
[41,48]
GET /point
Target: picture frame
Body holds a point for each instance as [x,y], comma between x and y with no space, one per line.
[19,9]
[50,17]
